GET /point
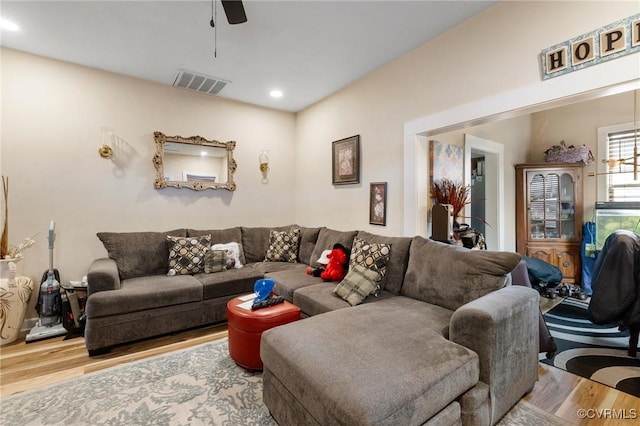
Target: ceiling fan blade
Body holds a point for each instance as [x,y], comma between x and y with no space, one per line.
[234,11]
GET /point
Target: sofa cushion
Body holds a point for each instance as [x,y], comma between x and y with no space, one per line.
[291,279]
[326,239]
[359,283]
[221,236]
[283,246]
[451,276]
[308,239]
[139,254]
[186,255]
[422,314]
[215,261]
[145,294]
[255,242]
[390,379]
[397,265]
[319,298]
[231,282]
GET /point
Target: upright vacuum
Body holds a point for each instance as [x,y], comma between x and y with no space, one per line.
[49,300]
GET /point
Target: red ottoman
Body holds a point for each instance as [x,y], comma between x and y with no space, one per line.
[246,326]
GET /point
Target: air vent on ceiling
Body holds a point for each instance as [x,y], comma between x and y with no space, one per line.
[198,82]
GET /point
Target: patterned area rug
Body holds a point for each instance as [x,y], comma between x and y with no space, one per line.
[196,386]
[592,351]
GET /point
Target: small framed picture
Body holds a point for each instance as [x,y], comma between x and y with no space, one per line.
[378,203]
[346,160]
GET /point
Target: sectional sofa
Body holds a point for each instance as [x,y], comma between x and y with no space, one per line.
[437,334]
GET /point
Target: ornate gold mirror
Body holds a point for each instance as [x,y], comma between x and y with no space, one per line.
[194,162]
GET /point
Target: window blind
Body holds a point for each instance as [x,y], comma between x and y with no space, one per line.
[620,146]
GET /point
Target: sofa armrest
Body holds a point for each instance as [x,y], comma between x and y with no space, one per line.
[102,276]
[502,328]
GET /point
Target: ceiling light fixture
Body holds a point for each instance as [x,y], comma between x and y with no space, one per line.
[276,93]
[8,25]
[633,160]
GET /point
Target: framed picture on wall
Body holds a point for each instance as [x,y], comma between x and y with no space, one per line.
[378,203]
[346,160]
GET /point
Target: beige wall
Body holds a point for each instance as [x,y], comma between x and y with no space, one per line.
[52,113]
[577,125]
[485,66]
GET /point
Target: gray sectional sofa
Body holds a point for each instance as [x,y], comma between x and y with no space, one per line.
[447,339]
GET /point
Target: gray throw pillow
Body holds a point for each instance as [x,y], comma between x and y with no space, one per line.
[359,283]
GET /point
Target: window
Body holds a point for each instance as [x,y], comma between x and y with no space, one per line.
[616,146]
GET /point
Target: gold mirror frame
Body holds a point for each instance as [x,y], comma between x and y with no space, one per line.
[158,161]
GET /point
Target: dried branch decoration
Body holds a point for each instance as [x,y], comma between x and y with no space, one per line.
[4,240]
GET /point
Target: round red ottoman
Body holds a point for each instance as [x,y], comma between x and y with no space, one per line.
[246,326]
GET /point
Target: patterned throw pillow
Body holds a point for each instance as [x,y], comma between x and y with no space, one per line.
[283,246]
[233,254]
[215,261]
[359,283]
[374,256]
[186,256]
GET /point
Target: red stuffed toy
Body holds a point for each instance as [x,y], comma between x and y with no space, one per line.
[338,264]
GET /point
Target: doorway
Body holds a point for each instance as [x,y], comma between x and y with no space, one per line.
[490,187]
[477,194]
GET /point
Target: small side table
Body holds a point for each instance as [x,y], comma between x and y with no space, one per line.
[246,327]
[15,296]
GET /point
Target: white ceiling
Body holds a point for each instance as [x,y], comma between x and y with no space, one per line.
[307,49]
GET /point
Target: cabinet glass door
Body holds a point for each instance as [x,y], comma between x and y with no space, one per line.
[544,206]
[567,206]
[552,206]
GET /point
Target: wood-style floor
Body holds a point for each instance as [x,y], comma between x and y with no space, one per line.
[31,365]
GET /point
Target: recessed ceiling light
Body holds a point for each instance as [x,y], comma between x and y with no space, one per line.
[8,25]
[203,153]
[276,93]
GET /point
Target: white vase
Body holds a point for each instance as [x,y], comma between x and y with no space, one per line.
[15,292]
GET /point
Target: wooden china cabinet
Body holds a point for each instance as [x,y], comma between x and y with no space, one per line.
[549,215]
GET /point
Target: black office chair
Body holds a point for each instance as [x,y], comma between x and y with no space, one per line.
[616,285]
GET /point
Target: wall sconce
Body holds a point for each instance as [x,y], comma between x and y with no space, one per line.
[264,165]
[106,151]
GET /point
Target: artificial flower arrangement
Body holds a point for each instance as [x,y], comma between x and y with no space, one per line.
[15,252]
[446,191]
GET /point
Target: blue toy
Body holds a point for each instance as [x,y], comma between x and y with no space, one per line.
[263,288]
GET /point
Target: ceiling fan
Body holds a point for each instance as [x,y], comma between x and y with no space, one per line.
[233,9]
[235,15]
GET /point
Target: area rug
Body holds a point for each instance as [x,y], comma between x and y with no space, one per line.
[195,386]
[598,353]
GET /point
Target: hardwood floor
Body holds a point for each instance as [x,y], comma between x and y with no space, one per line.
[26,366]
[32,365]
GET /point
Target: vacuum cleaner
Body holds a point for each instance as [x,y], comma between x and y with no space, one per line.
[49,300]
